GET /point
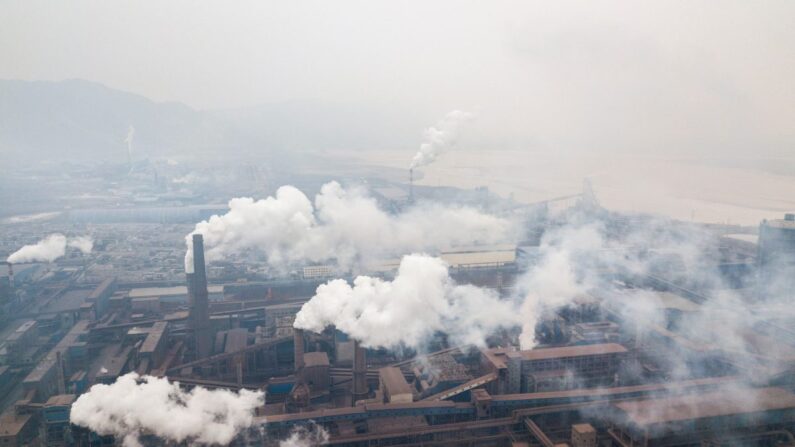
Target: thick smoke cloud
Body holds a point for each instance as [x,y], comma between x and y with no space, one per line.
[135,406]
[440,138]
[343,225]
[421,300]
[310,436]
[51,248]
[554,281]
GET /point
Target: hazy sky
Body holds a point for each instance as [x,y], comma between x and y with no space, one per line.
[713,77]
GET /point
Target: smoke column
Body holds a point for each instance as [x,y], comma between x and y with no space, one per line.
[50,248]
[343,225]
[421,300]
[440,138]
[129,141]
[134,405]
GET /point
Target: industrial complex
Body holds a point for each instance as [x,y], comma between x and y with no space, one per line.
[597,376]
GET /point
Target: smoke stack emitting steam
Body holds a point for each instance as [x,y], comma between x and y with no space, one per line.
[440,138]
[51,248]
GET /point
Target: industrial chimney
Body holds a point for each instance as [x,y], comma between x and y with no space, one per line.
[198,296]
[360,390]
[298,348]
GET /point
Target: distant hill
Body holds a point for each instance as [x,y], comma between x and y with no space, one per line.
[83,120]
[80,120]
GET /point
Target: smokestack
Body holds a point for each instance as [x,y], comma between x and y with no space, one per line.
[199,306]
[360,390]
[298,348]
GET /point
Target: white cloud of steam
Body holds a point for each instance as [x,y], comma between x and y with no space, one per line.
[83,243]
[421,300]
[135,405]
[345,225]
[554,282]
[440,138]
[51,248]
[129,141]
[311,436]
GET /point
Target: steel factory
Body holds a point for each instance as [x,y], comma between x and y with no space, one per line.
[598,376]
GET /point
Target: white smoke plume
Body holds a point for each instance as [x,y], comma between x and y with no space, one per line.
[134,406]
[344,225]
[311,436]
[554,281]
[440,138]
[421,300]
[50,248]
[129,141]
[83,243]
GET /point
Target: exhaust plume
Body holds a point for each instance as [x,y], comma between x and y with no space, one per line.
[421,300]
[440,138]
[311,436]
[129,141]
[83,243]
[344,225]
[134,406]
[50,248]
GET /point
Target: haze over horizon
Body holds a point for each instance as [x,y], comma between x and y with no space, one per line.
[684,78]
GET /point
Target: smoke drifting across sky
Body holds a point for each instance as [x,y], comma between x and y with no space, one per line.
[51,248]
[440,138]
[134,406]
[343,225]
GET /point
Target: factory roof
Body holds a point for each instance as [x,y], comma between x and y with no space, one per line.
[60,400]
[706,405]
[568,351]
[21,330]
[168,291]
[101,288]
[670,300]
[315,359]
[393,380]
[111,361]
[70,300]
[496,356]
[155,335]
[47,363]
[479,258]
[11,423]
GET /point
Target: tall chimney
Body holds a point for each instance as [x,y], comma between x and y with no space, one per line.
[360,390]
[199,306]
[298,348]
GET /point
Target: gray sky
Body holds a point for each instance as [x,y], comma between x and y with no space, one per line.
[712,77]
